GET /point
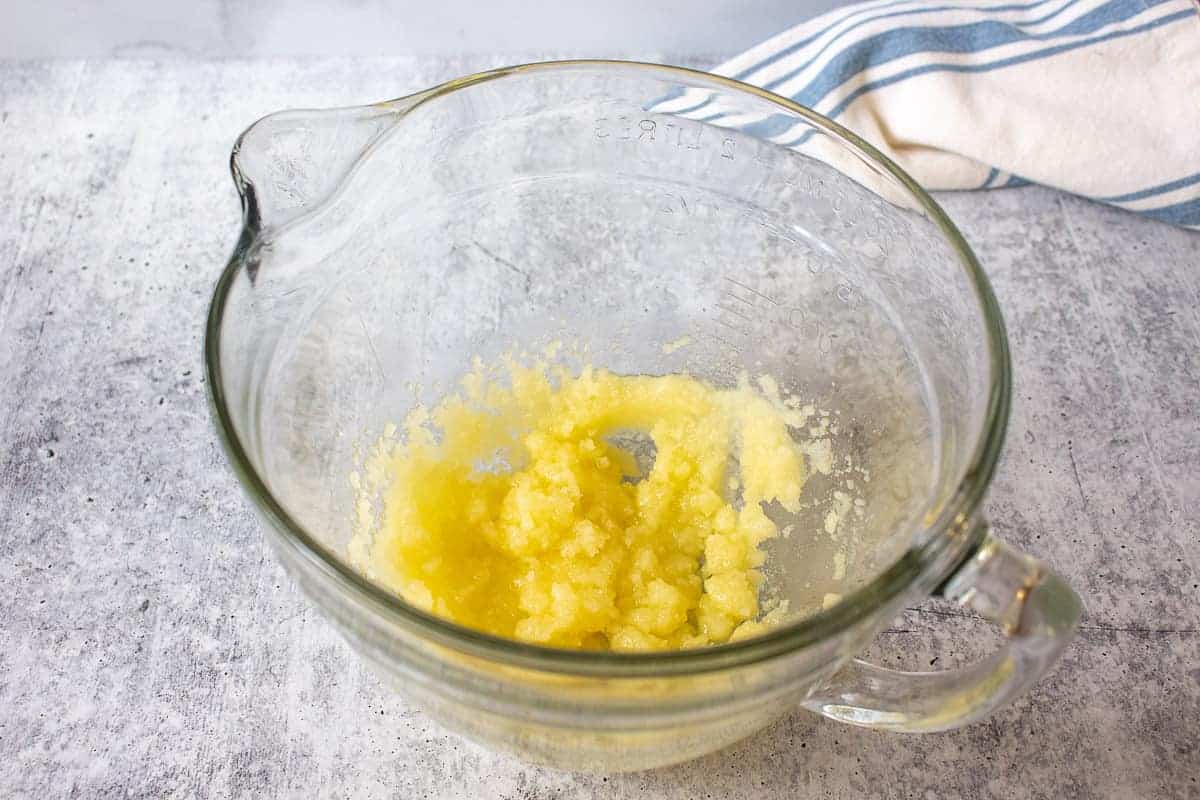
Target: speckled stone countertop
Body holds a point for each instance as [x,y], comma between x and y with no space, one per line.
[151,647]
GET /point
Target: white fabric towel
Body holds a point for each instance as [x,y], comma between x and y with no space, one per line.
[1100,98]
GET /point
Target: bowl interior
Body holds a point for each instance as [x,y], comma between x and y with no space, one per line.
[596,209]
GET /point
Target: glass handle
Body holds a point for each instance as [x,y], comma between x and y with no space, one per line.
[1035,608]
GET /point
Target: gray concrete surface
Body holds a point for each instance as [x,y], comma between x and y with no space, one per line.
[150,647]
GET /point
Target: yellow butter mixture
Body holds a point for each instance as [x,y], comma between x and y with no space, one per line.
[588,510]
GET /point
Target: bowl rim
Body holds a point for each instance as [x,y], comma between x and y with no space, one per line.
[946,542]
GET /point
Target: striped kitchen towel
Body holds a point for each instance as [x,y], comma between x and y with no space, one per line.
[1100,98]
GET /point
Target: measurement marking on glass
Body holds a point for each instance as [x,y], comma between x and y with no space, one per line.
[735,313]
[728,293]
[752,291]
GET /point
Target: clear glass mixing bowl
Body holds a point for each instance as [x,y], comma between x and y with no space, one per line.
[622,207]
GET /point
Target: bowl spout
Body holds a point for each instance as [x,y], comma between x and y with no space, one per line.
[290,162]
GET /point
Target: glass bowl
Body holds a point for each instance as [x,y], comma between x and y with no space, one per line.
[623,207]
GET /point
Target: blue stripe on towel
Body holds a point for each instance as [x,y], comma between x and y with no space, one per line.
[1005,62]
[1015,26]
[970,38]
[1153,190]
[800,45]
[851,49]
[748,72]
[805,42]
[901,42]
[988,66]
[1185,213]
